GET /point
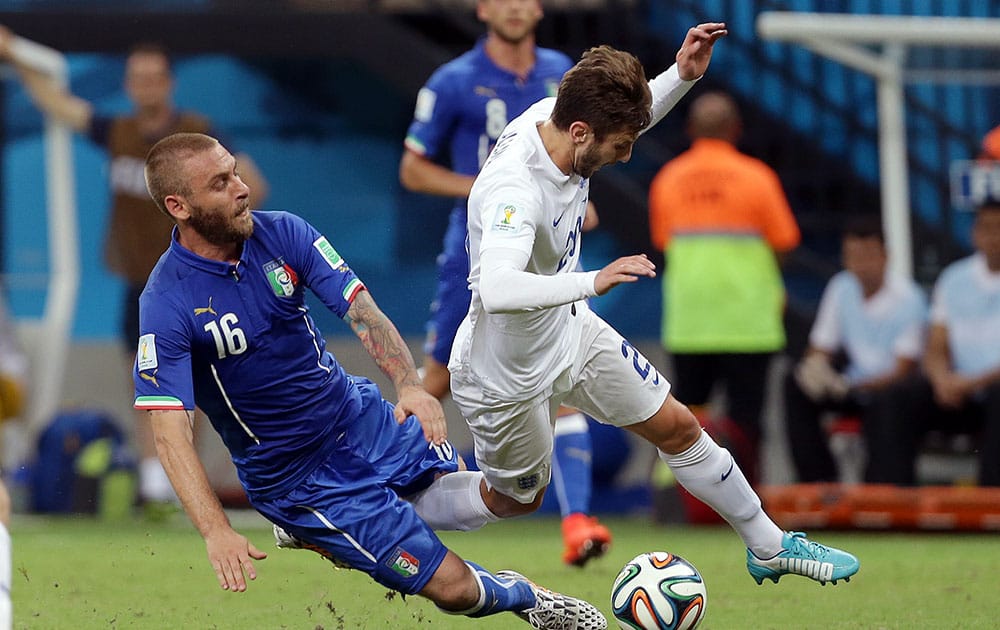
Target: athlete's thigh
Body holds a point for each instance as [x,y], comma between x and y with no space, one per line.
[615,384]
[514,447]
[359,524]
[399,454]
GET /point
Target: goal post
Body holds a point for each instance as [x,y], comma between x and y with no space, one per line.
[877,45]
[46,339]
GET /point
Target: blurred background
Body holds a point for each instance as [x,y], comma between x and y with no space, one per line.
[320,93]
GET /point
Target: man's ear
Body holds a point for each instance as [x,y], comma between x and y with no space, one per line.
[579,131]
[176,207]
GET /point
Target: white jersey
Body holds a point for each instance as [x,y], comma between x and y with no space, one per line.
[875,332]
[525,229]
[523,203]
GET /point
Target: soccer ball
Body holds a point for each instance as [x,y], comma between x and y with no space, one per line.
[659,591]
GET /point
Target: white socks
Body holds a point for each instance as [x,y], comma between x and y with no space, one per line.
[709,472]
[6,610]
[453,502]
[154,485]
[571,423]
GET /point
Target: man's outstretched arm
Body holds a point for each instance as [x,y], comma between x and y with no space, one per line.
[383,342]
[230,553]
[49,97]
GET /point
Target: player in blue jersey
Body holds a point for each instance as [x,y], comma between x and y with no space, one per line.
[338,469]
[459,115]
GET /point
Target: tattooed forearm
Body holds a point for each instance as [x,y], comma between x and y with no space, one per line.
[382,341]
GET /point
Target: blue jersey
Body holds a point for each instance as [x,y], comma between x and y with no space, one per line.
[468,101]
[459,115]
[237,341]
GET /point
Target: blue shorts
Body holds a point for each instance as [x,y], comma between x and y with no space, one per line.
[451,301]
[350,509]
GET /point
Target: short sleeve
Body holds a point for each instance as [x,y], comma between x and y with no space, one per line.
[434,117]
[826,333]
[320,266]
[162,370]
[780,228]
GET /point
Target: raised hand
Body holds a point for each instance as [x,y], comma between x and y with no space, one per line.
[696,51]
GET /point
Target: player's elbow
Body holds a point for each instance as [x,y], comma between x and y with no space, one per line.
[499,301]
[492,302]
[495,300]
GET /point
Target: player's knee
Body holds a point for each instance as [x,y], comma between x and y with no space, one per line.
[453,588]
[673,428]
[509,507]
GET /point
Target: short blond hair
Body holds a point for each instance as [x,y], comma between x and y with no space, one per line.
[164,173]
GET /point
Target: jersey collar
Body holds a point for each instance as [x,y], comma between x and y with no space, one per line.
[216,267]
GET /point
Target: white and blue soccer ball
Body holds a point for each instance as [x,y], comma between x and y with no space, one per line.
[659,591]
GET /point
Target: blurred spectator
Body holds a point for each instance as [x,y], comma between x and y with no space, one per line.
[138,233]
[877,321]
[959,391]
[722,219]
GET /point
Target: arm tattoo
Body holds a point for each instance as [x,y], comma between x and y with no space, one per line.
[382,341]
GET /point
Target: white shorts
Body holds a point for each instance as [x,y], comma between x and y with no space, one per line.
[608,379]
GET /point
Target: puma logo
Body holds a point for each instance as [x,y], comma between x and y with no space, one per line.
[206,309]
[149,377]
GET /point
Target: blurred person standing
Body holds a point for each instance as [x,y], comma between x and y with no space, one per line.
[959,389]
[877,320]
[459,115]
[137,232]
[723,222]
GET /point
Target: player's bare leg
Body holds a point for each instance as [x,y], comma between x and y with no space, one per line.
[437,379]
[508,507]
[710,473]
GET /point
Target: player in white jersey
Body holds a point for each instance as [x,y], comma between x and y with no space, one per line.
[530,343]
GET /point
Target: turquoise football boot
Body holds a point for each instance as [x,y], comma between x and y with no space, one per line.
[801,556]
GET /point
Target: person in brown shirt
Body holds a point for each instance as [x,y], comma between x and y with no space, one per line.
[138,233]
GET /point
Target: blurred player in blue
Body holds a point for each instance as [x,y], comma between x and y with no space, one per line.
[459,115]
[337,468]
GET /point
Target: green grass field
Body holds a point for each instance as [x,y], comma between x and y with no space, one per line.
[83,573]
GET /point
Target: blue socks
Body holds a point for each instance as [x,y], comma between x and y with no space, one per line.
[498,595]
[571,464]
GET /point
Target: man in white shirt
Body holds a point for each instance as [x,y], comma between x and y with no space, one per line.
[878,320]
[530,342]
[959,391]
